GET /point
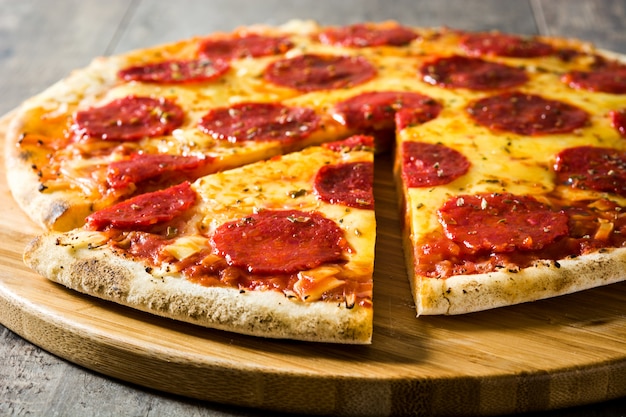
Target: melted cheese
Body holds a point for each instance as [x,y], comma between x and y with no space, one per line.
[285,183]
[501,161]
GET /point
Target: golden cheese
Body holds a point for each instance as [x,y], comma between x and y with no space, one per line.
[284,183]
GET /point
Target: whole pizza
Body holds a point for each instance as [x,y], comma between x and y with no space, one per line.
[227,180]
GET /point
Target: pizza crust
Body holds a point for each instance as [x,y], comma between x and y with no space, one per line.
[470,293]
[61,212]
[100,272]
[62,209]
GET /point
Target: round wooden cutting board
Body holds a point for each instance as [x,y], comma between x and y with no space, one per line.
[560,352]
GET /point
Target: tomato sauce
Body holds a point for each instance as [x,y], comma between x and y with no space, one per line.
[593,225]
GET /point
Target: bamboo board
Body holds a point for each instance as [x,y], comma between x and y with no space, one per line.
[555,353]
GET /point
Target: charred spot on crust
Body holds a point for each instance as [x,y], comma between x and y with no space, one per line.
[103,279]
[25,156]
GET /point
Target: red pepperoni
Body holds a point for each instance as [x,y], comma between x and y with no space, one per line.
[320,72]
[501,222]
[259,122]
[606,79]
[143,167]
[501,44]
[129,119]
[407,118]
[356,142]
[176,72]
[471,73]
[350,184]
[361,35]
[145,210]
[594,168]
[527,114]
[244,46]
[427,164]
[618,121]
[376,110]
[280,242]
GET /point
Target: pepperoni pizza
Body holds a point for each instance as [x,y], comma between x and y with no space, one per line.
[210,180]
[282,248]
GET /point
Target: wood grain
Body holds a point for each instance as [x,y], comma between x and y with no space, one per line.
[538,356]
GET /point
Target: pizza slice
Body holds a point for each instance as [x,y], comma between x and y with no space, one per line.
[512,196]
[281,248]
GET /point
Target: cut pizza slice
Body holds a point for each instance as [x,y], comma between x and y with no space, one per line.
[513,204]
[282,248]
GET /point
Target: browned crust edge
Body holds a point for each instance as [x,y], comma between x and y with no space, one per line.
[463,294]
[60,212]
[102,273]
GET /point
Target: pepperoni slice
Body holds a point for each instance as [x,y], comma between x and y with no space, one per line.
[405,118]
[607,79]
[593,168]
[427,164]
[376,110]
[129,119]
[259,122]
[362,35]
[320,72]
[527,114]
[350,184]
[356,142]
[501,222]
[145,210]
[143,167]
[243,46]
[618,121]
[501,44]
[471,73]
[176,72]
[280,242]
